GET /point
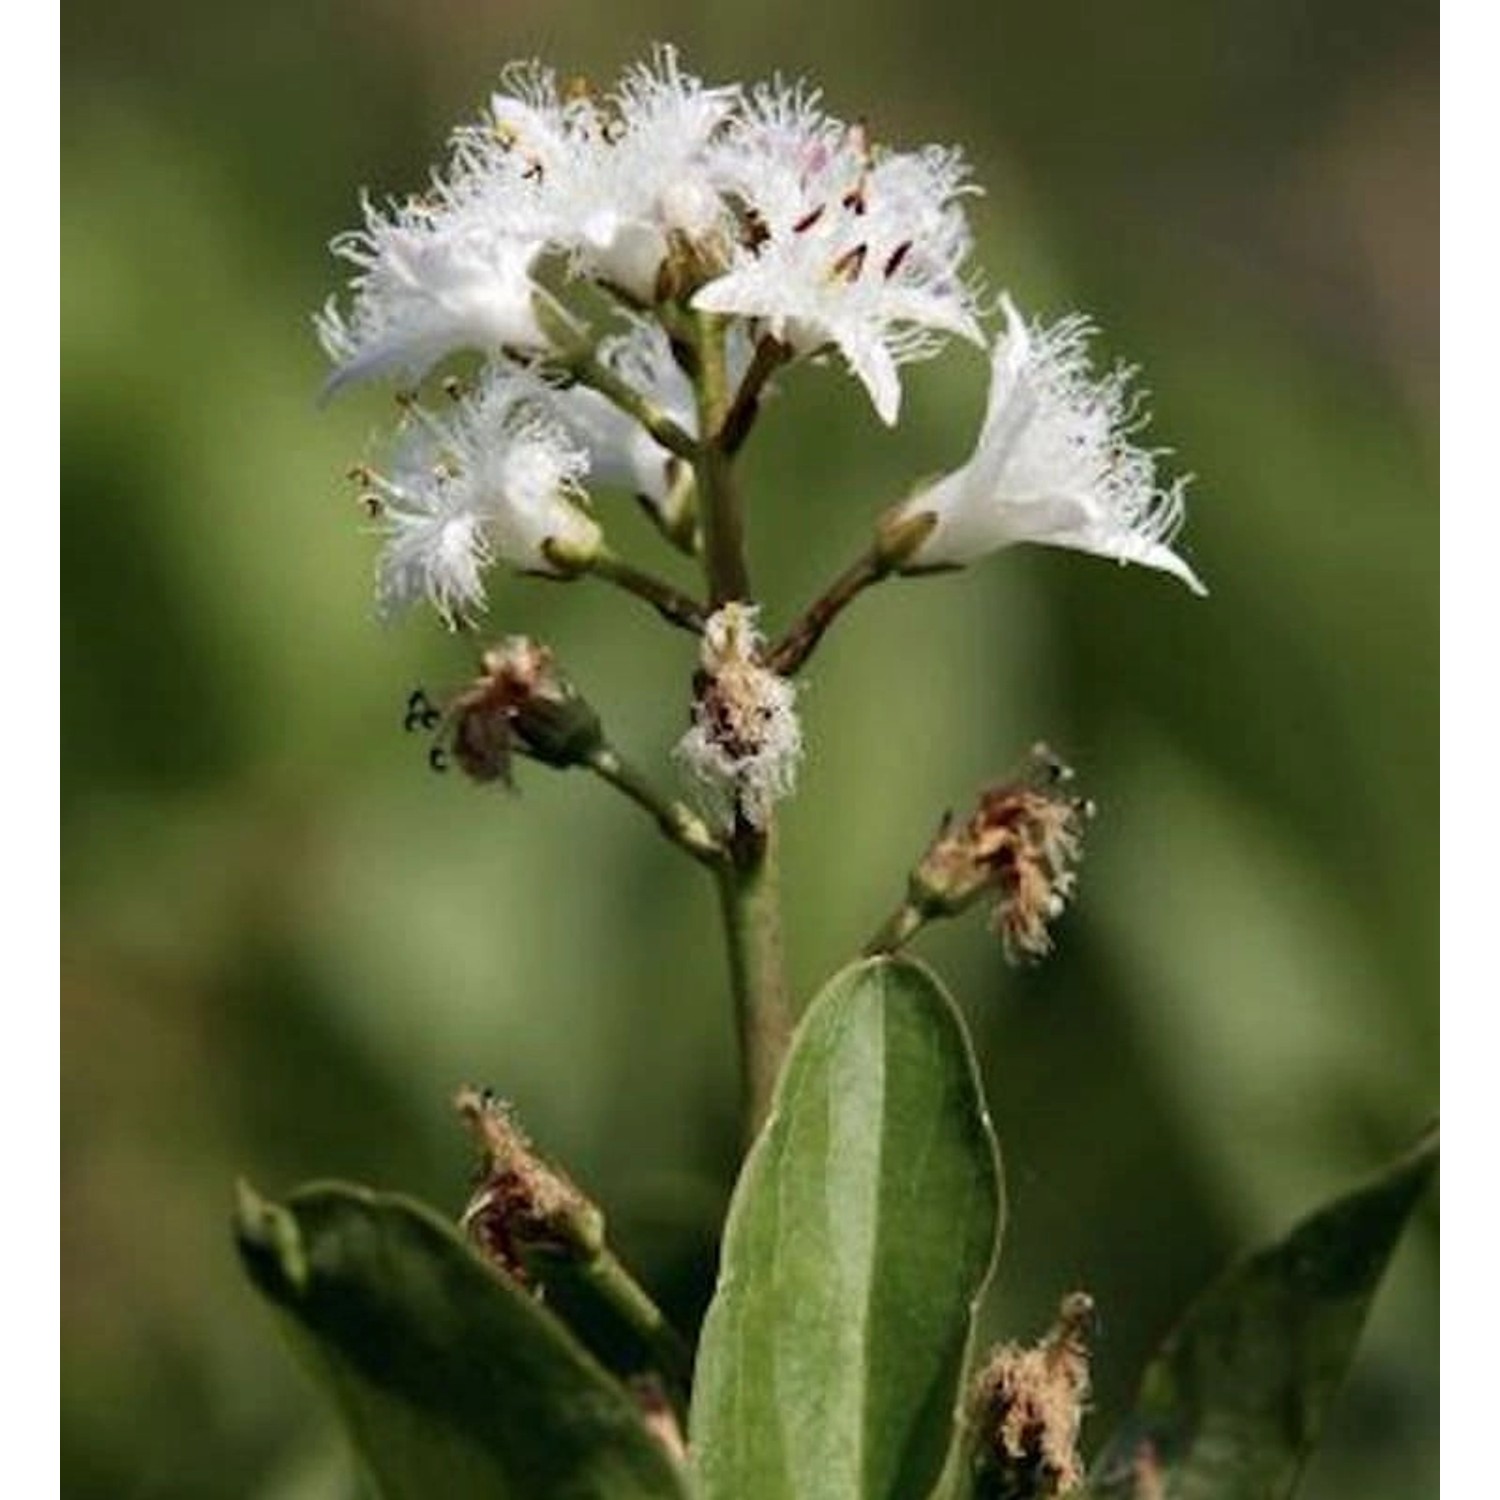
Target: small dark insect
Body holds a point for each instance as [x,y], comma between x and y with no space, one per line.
[437,759]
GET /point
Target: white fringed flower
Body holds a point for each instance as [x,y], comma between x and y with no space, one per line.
[745,742]
[615,176]
[846,247]
[431,278]
[1054,463]
[497,480]
[649,176]
[605,182]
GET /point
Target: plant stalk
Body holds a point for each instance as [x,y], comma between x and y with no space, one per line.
[589,370]
[897,930]
[749,887]
[619,1290]
[723,524]
[802,639]
[670,603]
[680,823]
[750,897]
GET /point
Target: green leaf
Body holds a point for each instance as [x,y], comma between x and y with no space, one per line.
[861,1234]
[1236,1398]
[452,1380]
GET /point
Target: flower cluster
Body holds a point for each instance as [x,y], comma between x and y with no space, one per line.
[567,264]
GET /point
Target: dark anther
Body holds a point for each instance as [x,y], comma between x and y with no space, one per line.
[437,758]
[899,254]
[848,266]
[807,220]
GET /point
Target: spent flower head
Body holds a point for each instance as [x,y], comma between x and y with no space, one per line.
[522,1206]
[1027,1405]
[1021,845]
[745,741]
[520,701]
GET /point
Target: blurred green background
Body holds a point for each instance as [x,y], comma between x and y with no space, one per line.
[285,943]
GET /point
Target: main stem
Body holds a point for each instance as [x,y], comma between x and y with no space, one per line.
[750,899]
[749,887]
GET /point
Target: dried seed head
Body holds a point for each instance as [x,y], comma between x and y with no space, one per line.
[520,698]
[1022,843]
[521,1204]
[745,741]
[1027,1406]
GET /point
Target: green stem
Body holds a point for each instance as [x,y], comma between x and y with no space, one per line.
[897,930]
[770,354]
[676,516]
[749,890]
[750,898]
[670,603]
[582,363]
[802,639]
[680,824]
[624,1295]
[718,499]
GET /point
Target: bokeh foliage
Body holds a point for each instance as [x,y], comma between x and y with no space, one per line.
[285,943]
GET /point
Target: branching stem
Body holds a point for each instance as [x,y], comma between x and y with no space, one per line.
[897,930]
[588,369]
[669,602]
[789,653]
[770,354]
[679,822]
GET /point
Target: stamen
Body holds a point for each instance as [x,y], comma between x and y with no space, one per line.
[850,264]
[897,256]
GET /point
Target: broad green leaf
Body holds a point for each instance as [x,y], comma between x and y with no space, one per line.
[1236,1398]
[453,1381]
[861,1233]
